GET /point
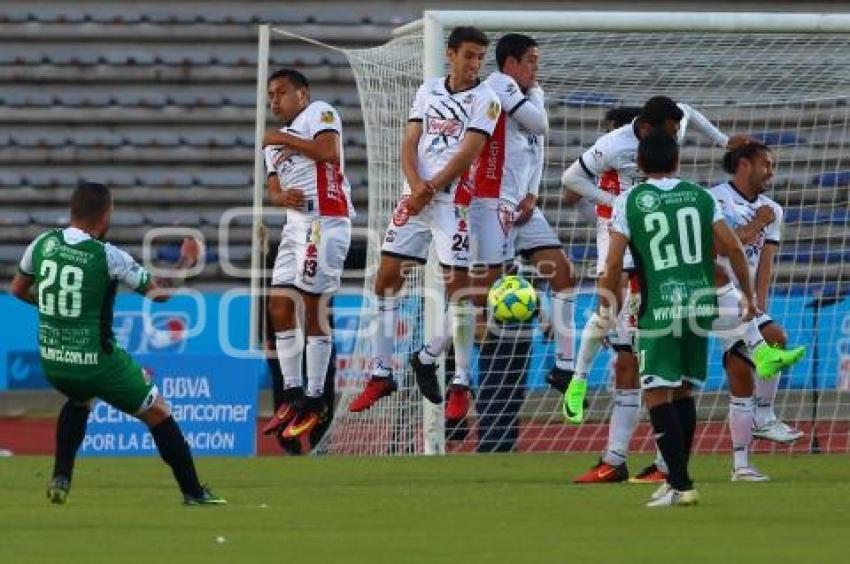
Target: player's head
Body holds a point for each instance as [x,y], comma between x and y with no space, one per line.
[465,51]
[658,153]
[663,112]
[618,116]
[91,208]
[288,92]
[751,165]
[517,56]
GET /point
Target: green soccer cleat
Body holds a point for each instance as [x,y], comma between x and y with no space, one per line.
[573,405]
[206,497]
[57,491]
[770,360]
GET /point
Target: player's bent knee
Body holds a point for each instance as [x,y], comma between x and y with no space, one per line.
[156,413]
[774,334]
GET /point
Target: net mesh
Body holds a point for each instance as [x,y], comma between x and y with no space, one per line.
[788,89]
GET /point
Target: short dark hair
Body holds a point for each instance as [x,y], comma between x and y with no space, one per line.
[621,115]
[658,152]
[659,109]
[749,150]
[89,201]
[512,45]
[466,33]
[297,79]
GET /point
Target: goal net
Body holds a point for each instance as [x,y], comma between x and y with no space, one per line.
[773,77]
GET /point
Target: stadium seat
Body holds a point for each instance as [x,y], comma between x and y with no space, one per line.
[186,58]
[50,217]
[90,99]
[39,139]
[14,218]
[95,138]
[213,178]
[24,99]
[114,178]
[140,98]
[165,178]
[181,218]
[74,56]
[153,138]
[10,254]
[50,178]
[780,138]
[582,253]
[583,99]
[127,219]
[10,179]
[127,57]
[210,138]
[832,179]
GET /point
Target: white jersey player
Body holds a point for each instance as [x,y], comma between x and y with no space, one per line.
[304,162]
[758,222]
[611,161]
[450,121]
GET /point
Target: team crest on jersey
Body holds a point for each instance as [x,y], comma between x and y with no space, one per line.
[493,109]
[50,247]
[327,117]
[506,217]
[446,127]
[401,213]
[648,201]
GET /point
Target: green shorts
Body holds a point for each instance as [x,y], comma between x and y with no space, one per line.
[117,379]
[668,361]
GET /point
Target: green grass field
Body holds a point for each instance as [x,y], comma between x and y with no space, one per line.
[457,509]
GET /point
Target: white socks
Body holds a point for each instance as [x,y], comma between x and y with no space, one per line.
[384,336]
[764,396]
[624,420]
[741,428]
[564,328]
[289,349]
[591,339]
[318,355]
[463,319]
[433,349]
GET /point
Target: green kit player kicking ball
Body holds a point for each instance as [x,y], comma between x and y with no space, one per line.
[672,228]
[71,275]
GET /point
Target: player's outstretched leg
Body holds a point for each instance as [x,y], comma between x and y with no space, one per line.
[70,431]
[174,450]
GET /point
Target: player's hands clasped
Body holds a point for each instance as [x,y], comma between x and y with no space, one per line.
[765,215]
[420,196]
[273,137]
[291,198]
[525,209]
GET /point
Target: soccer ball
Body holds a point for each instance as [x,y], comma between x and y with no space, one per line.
[512,299]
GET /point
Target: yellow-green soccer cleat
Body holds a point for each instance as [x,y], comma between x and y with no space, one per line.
[573,405]
[770,360]
[58,489]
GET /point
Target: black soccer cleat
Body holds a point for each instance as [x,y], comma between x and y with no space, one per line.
[204,497]
[559,378]
[426,379]
[58,489]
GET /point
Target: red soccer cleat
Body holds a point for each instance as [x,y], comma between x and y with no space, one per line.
[282,417]
[376,388]
[311,413]
[649,475]
[604,473]
[457,403]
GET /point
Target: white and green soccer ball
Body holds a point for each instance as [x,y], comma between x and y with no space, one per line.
[512,299]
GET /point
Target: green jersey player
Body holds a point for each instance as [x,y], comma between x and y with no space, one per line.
[672,227]
[71,276]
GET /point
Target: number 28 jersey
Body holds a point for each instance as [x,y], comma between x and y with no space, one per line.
[669,225]
[76,278]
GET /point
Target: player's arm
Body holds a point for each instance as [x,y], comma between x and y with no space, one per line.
[470,147]
[284,197]
[702,123]
[729,244]
[764,274]
[324,147]
[23,289]
[529,202]
[609,282]
[530,111]
[749,232]
[124,269]
[22,284]
[581,176]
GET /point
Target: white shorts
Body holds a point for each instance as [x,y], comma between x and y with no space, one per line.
[603,240]
[534,235]
[312,253]
[492,231]
[728,326]
[763,319]
[409,236]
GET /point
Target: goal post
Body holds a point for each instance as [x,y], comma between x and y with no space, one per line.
[782,77]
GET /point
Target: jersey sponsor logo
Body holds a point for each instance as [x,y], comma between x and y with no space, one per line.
[493,109]
[401,213]
[327,117]
[447,127]
[50,247]
[67,356]
[282,158]
[511,88]
[647,201]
